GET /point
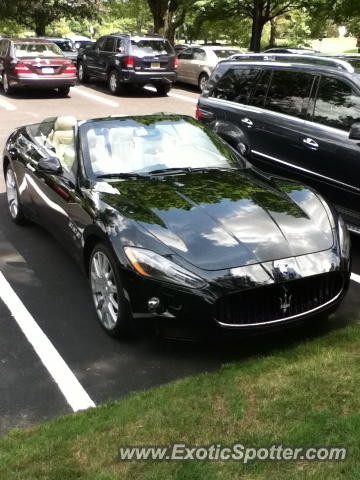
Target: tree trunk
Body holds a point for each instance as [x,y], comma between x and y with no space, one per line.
[40,26]
[272,42]
[257,26]
[160,12]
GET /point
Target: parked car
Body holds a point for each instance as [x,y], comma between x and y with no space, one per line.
[299,51]
[80,44]
[66,46]
[174,227]
[295,115]
[197,62]
[123,59]
[35,63]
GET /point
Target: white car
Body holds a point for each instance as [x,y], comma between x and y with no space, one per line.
[196,63]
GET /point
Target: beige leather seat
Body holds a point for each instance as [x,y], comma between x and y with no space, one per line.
[63,140]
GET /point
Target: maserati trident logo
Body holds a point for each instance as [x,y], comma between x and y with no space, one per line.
[285,301]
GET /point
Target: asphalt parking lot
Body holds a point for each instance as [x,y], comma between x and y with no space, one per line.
[56,296]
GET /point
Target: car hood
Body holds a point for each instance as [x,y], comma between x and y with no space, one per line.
[221,219]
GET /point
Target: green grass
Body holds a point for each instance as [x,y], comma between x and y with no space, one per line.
[305,394]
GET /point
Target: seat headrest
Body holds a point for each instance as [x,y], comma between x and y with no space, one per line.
[65,123]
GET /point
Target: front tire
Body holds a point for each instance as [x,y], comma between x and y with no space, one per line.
[13,199]
[83,74]
[110,304]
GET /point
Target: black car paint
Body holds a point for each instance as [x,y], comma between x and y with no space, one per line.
[274,141]
[200,220]
[100,63]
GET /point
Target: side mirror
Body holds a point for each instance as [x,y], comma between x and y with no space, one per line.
[50,165]
[355,131]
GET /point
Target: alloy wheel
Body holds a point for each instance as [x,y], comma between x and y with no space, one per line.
[5,83]
[81,72]
[104,290]
[113,83]
[11,193]
[203,82]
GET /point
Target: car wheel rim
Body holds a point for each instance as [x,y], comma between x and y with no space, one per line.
[11,192]
[81,72]
[5,84]
[203,81]
[104,290]
[113,82]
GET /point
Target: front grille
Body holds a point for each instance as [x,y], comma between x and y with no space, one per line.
[278,301]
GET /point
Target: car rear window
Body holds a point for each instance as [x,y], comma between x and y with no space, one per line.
[33,50]
[143,47]
[65,46]
[224,53]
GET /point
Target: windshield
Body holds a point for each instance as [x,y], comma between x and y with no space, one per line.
[127,145]
[25,50]
[142,48]
[223,53]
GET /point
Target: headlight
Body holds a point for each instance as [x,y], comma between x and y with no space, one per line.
[151,264]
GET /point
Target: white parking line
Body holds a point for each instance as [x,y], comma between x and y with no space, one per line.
[97,98]
[182,97]
[7,105]
[355,277]
[69,385]
[174,95]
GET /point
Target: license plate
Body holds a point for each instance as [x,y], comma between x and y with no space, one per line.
[155,65]
[47,70]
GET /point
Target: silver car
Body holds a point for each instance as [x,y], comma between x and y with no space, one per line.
[196,63]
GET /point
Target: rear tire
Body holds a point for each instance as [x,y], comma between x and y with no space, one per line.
[162,89]
[82,73]
[63,92]
[13,198]
[7,89]
[111,307]
[114,83]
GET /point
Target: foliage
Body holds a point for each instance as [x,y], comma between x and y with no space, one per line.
[38,14]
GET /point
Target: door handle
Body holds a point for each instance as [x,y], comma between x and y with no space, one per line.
[309,142]
[249,123]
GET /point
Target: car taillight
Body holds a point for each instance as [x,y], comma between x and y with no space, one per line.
[128,62]
[70,68]
[198,112]
[21,68]
[176,62]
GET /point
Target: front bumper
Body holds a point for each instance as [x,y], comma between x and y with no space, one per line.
[42,82]
[196,314]
[142,78]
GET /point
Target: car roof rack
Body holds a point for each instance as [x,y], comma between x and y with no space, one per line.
[294,58]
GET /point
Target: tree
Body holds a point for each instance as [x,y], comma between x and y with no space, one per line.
[38,14]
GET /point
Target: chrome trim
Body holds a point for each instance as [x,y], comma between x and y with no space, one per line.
[281,320]
[305,170]
[353,229]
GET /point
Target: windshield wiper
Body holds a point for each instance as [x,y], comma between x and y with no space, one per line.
[121,175]
[170,171]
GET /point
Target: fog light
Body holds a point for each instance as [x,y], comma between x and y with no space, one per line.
[153,304]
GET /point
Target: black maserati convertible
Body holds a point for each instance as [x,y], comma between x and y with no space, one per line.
[174,227]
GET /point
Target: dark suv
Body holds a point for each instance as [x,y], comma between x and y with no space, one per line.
[123,59]
[297,116]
